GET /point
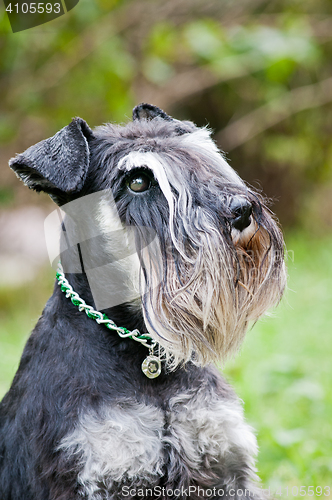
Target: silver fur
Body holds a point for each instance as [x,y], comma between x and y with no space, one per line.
[125,444]
[117,444]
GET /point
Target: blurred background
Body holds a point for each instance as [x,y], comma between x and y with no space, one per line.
[259,74]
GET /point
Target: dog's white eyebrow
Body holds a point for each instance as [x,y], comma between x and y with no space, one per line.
[137,159]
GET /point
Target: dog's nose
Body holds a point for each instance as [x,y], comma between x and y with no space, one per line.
[241,210]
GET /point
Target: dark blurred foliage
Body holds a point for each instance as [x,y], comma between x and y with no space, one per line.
[258,72]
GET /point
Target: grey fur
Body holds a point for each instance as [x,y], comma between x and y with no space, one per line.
[116,446]
[125,445]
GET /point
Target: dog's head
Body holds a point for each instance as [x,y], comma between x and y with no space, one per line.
[217,263]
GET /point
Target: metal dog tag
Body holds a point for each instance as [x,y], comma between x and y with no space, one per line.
[151,366]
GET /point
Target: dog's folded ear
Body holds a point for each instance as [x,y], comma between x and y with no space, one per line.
[57,165]
[146,111]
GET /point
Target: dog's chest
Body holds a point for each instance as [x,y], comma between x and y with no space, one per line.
[134,444]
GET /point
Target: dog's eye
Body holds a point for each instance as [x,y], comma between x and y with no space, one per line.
[139,183]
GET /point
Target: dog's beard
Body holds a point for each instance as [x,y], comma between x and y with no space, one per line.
[204,282]
[201,292]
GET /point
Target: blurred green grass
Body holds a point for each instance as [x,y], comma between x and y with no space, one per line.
[283,373]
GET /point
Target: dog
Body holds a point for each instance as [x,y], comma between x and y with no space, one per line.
[166,258]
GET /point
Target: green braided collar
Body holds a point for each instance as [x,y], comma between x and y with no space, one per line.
[99,317]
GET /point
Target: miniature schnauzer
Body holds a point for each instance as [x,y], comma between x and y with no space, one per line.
[163,237]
